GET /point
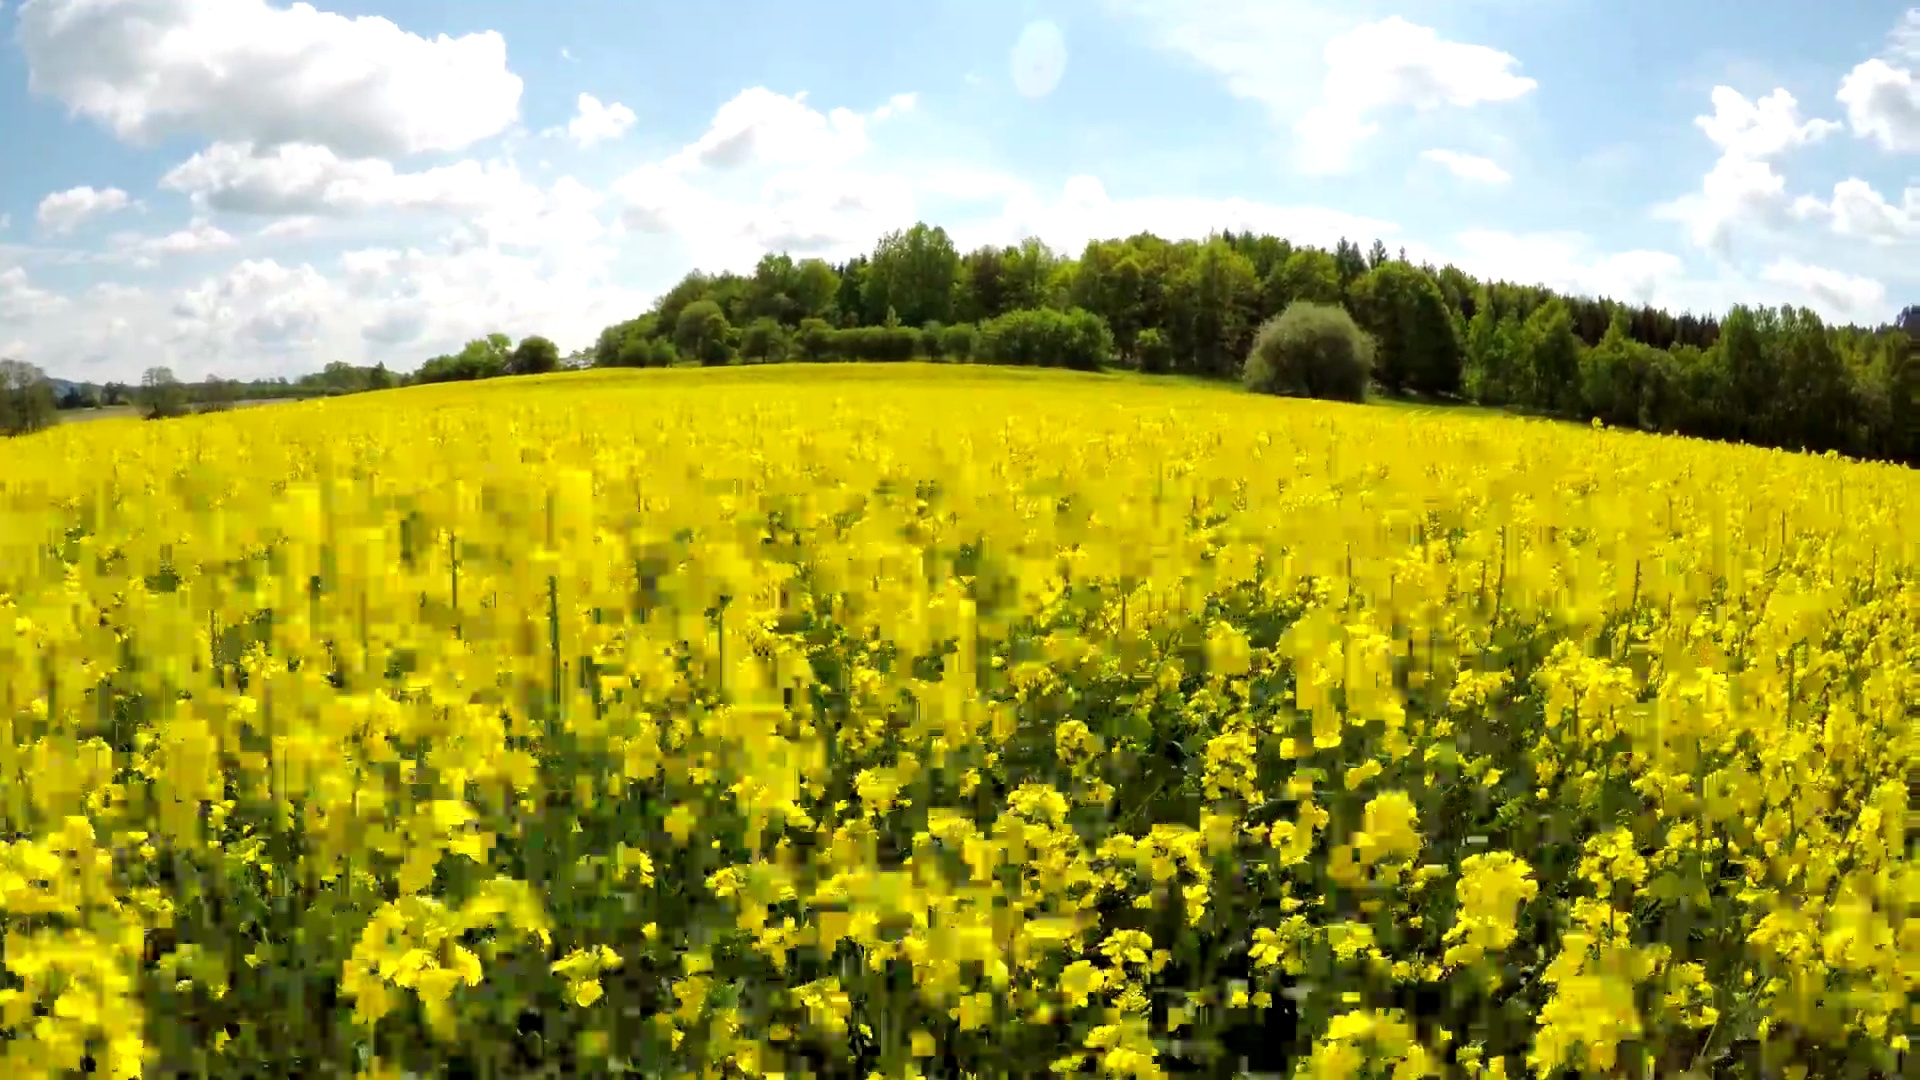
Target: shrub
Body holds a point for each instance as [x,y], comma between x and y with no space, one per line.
[956,342]
[1045,337]
[815,339]
[535,355]
[1152,352]
[1311,350]
[765,341]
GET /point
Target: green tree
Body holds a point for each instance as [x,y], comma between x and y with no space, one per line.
[1110,283]
[815,287]
[218,394]
[764,341]
[1401,306]
[1491,371]
[1349,262]
[1032,273]
[1814,399]
[1046,337]
[695,286]
[1749,362]
[702,333]
[956,342]
[980,289]
[534,355]
[914,273]
[815,340]
[1550,361]
[1307,274]
[26,399]
[1153,352]
[1614,375]
[1212,302]
[161,395]
[1310,350]
[486,357]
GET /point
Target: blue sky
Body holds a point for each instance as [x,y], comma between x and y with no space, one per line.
[249,187]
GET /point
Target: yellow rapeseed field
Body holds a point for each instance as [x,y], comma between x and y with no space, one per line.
[902,721]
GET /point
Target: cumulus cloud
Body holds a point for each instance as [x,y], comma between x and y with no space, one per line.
[770,173]
[761,127]
[1832,291]
[300,225]
[259,303]
[1394,64]
[596,122]
[22,301]
[1569,262]
[1742,188]
[249,71]
[65,211]
[1468,166]
[308,179]
[1882,94]
[1858,211]
[1317,68]
[196,237]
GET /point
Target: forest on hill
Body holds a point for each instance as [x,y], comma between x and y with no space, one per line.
[1777,377]
[1769,376]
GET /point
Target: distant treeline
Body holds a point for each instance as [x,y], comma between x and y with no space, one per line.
[160,394]
[1767,376]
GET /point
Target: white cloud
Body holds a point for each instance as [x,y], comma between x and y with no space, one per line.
[1883,104]
[1317,67]
[896,106]
[197,237]
[596,122]
[248,71]
[1569,263]
[1084,211]
[1468,166]
[290,227]
[770,173]
[417,303]
[1390,64]
[1882,94]
[816,212]
[1834,292]
[259,305]
[64,211]
[22,301]
[1857,210]
[1742,188]
[761,127]
[1756,130]
[1265,51]
[303,179]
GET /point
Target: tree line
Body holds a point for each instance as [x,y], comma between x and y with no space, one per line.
[1768,376]
[31,401]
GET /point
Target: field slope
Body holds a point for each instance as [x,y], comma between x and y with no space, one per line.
[940,721]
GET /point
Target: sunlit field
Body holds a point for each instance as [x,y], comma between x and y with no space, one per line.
[918,720]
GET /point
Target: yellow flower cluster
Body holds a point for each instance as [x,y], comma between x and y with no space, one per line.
[913,721]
